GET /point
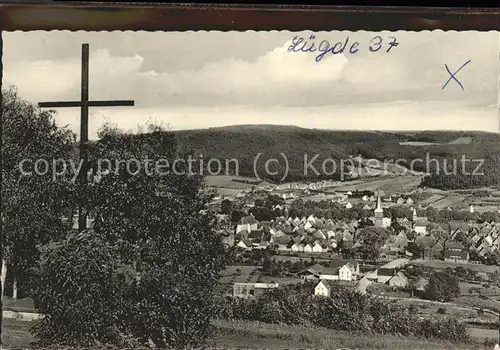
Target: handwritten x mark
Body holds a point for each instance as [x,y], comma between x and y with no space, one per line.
[453,75]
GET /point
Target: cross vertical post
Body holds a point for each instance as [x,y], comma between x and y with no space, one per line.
[84,132]
[84,105]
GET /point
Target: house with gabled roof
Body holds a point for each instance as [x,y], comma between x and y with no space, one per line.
[398,280]
[319,234]
[385,274]
[348,268]
[455,251]
[323,288]
[318,248]
[297,247]
[327,273]
[247,223]
[245,244]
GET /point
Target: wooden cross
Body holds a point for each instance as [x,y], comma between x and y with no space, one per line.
[84,105]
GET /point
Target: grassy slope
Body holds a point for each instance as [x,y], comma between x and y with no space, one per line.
[256,335]
[260,335]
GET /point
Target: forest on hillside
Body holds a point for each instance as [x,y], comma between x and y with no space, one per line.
[442,159]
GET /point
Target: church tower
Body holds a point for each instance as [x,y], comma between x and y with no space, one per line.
[379,212]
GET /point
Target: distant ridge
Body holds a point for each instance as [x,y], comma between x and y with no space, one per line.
[244,142]
[269,127]
[280,127]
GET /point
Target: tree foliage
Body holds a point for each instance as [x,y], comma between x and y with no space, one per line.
[157,228]
[371,239]
[442,287]
[80,293]
[345,309]
[34,204]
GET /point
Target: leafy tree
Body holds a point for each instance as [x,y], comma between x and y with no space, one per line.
[262,213]
[372,239]
[397,227]
[442,287]
[267,265]
[159,229]
[34,204]
[417,248]
[411,235]
[236,216]
[89,306]
[226,206]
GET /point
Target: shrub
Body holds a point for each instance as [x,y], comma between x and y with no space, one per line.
[344,310]
[442,286]
[80,272]
[443,328]
[441,310]
[389,318]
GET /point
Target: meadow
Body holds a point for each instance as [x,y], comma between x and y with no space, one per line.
[235,334]
[440,264]
[257,335]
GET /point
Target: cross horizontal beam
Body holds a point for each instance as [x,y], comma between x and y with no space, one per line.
[112,103]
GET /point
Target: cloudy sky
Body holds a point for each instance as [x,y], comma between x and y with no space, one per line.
[203,79]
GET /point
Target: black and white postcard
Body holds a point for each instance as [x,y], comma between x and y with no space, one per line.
[251,189]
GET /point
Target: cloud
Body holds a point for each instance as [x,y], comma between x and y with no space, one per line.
[274,76]
[235,68]
[223,78]
[60,80]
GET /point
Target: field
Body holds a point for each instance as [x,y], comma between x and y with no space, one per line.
[18,304]
[450,200]
[433,197]
[228,186]
[386,184]
[458,310]
[462,200]
[16,334]
[439,264]
[463,140]
[475,302]
[228,181]
[256,335]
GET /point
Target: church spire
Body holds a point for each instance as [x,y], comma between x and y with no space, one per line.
[379,205]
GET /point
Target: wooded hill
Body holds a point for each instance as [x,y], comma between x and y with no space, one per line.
[244,142]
